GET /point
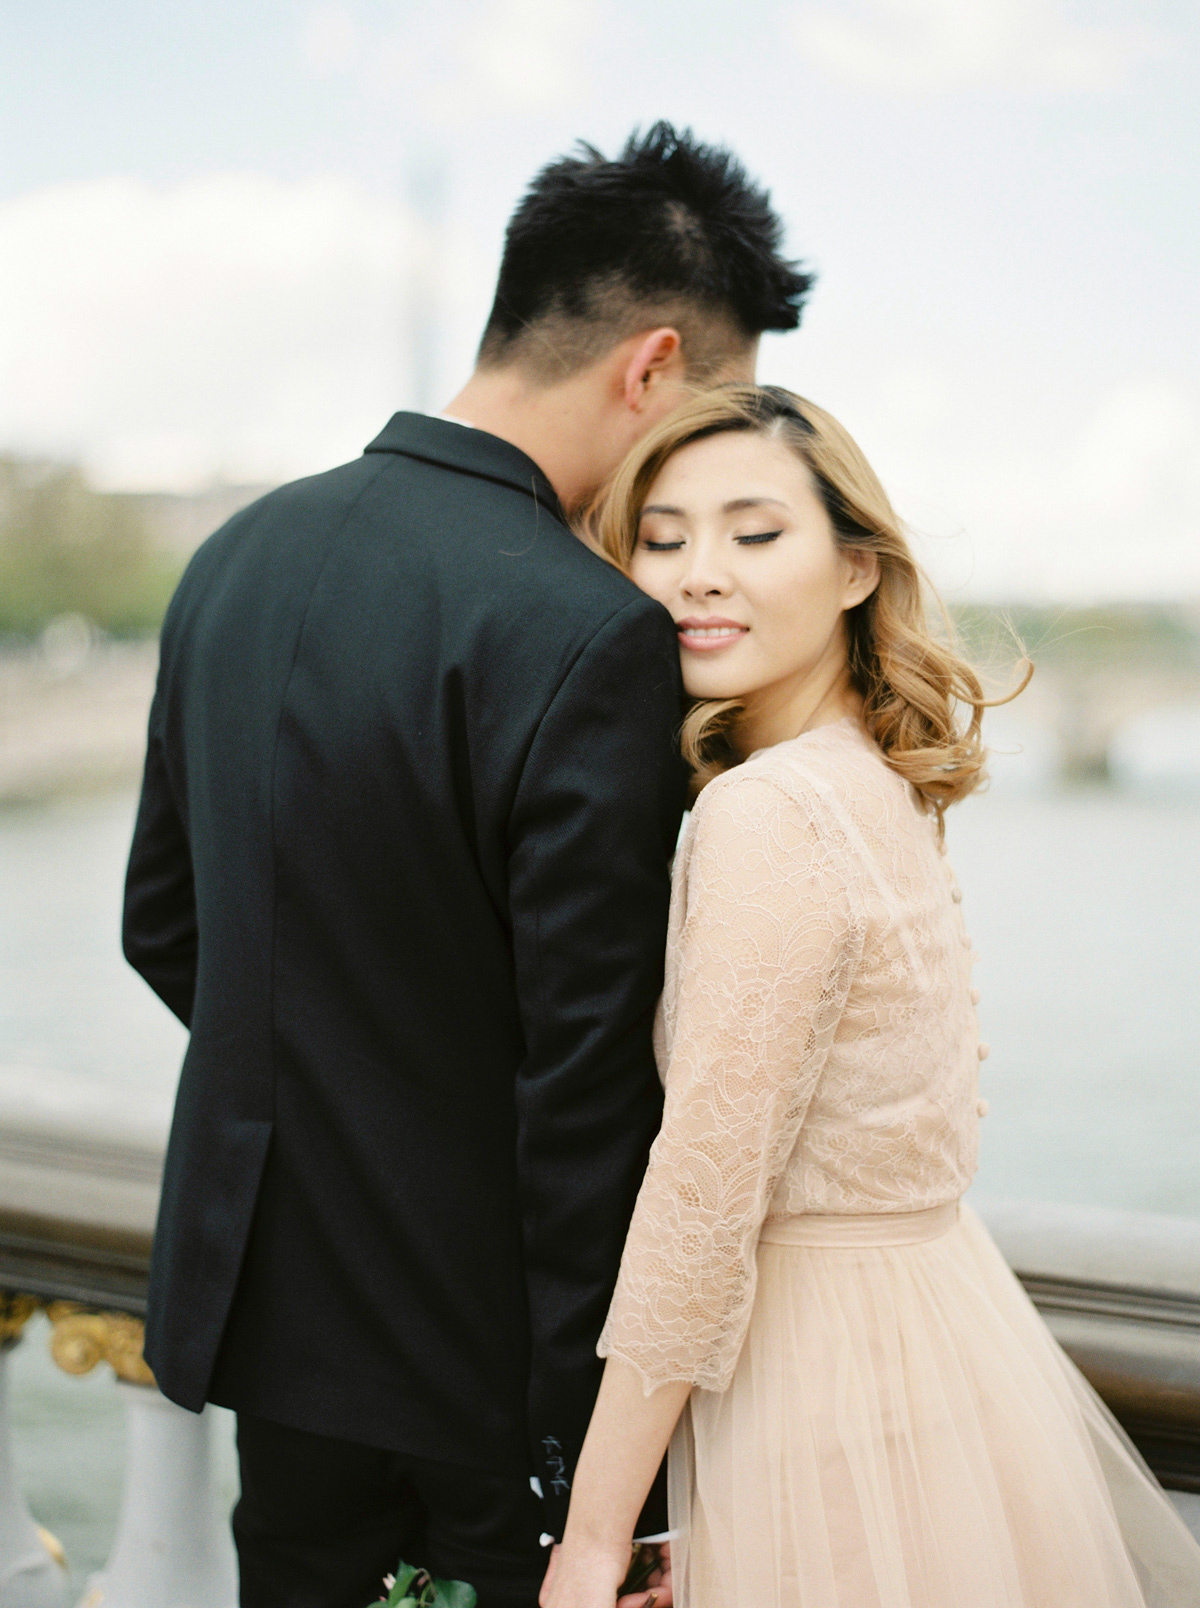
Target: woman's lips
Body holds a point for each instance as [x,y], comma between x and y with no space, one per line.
[708,635]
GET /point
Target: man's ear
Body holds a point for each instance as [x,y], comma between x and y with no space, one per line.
[863,575]
[658,356]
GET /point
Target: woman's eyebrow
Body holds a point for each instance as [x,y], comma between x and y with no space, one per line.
[738,504]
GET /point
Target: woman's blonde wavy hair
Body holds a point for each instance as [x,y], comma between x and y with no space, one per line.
[923,701]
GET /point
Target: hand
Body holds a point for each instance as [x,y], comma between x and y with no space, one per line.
[580,1576]
[655,1588]
[583,1581]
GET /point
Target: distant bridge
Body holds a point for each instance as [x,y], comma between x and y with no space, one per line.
[71,720]
[1087,708]
[1096,669]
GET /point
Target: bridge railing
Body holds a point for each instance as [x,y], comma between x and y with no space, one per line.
[79,1179]
[1120,1291]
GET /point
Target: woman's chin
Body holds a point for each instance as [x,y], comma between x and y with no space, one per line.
[712,689]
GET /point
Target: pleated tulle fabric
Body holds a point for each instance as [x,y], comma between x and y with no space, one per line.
[902,1431]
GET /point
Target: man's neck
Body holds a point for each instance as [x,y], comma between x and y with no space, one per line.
[555,425]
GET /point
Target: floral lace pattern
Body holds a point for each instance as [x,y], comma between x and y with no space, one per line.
[817,1038]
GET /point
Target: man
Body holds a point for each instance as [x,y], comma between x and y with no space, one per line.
[401,866]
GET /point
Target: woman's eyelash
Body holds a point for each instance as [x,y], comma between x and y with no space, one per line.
[754,540]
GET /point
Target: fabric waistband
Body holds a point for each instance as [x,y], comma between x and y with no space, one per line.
[868,1228]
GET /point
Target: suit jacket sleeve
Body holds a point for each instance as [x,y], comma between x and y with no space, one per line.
[159,929]
[591,835]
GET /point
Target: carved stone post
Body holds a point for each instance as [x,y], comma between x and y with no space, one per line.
[173,1548]
[31,1560]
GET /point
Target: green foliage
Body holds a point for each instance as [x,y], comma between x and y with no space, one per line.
[416,1588]
[68,549]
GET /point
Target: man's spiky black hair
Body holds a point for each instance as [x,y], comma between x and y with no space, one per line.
[670,223]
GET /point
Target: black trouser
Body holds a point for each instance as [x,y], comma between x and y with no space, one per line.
[321,1521]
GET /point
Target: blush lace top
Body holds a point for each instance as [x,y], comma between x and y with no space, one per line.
[817,1038]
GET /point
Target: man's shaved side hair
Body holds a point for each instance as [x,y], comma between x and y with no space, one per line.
[670,233]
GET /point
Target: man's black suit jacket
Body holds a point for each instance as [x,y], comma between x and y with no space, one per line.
[401,865]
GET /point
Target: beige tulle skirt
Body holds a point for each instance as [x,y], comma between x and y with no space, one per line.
[902,1431]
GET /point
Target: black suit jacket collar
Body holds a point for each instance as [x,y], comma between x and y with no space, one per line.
[473,452]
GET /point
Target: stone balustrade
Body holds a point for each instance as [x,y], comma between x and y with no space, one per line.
[1121,1293]
[79,1179]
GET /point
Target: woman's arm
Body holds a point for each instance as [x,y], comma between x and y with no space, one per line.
[624,1446]
[764,959]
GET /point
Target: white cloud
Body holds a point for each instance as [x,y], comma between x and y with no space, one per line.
[931,45]
[456,64]
[331,40]
[529,52]
[236,325]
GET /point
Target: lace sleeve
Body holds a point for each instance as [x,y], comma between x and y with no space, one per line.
[762,947]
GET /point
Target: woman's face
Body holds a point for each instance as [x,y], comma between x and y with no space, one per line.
[734,540]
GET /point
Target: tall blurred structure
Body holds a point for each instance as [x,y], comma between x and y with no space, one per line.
[428,195]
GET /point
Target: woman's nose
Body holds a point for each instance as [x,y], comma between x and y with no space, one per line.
[705,580]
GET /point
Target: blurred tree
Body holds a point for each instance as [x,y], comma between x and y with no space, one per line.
[66,548]
[1083,639]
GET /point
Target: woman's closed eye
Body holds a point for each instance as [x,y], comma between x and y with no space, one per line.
[757,538]
[670,544]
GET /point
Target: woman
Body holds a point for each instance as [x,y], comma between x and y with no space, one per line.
[867,1411]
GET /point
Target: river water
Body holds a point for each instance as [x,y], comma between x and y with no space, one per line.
[1084,907]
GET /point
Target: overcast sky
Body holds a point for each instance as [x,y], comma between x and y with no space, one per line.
[208,236]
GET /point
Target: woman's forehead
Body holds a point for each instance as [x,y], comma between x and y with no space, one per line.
[729,473]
